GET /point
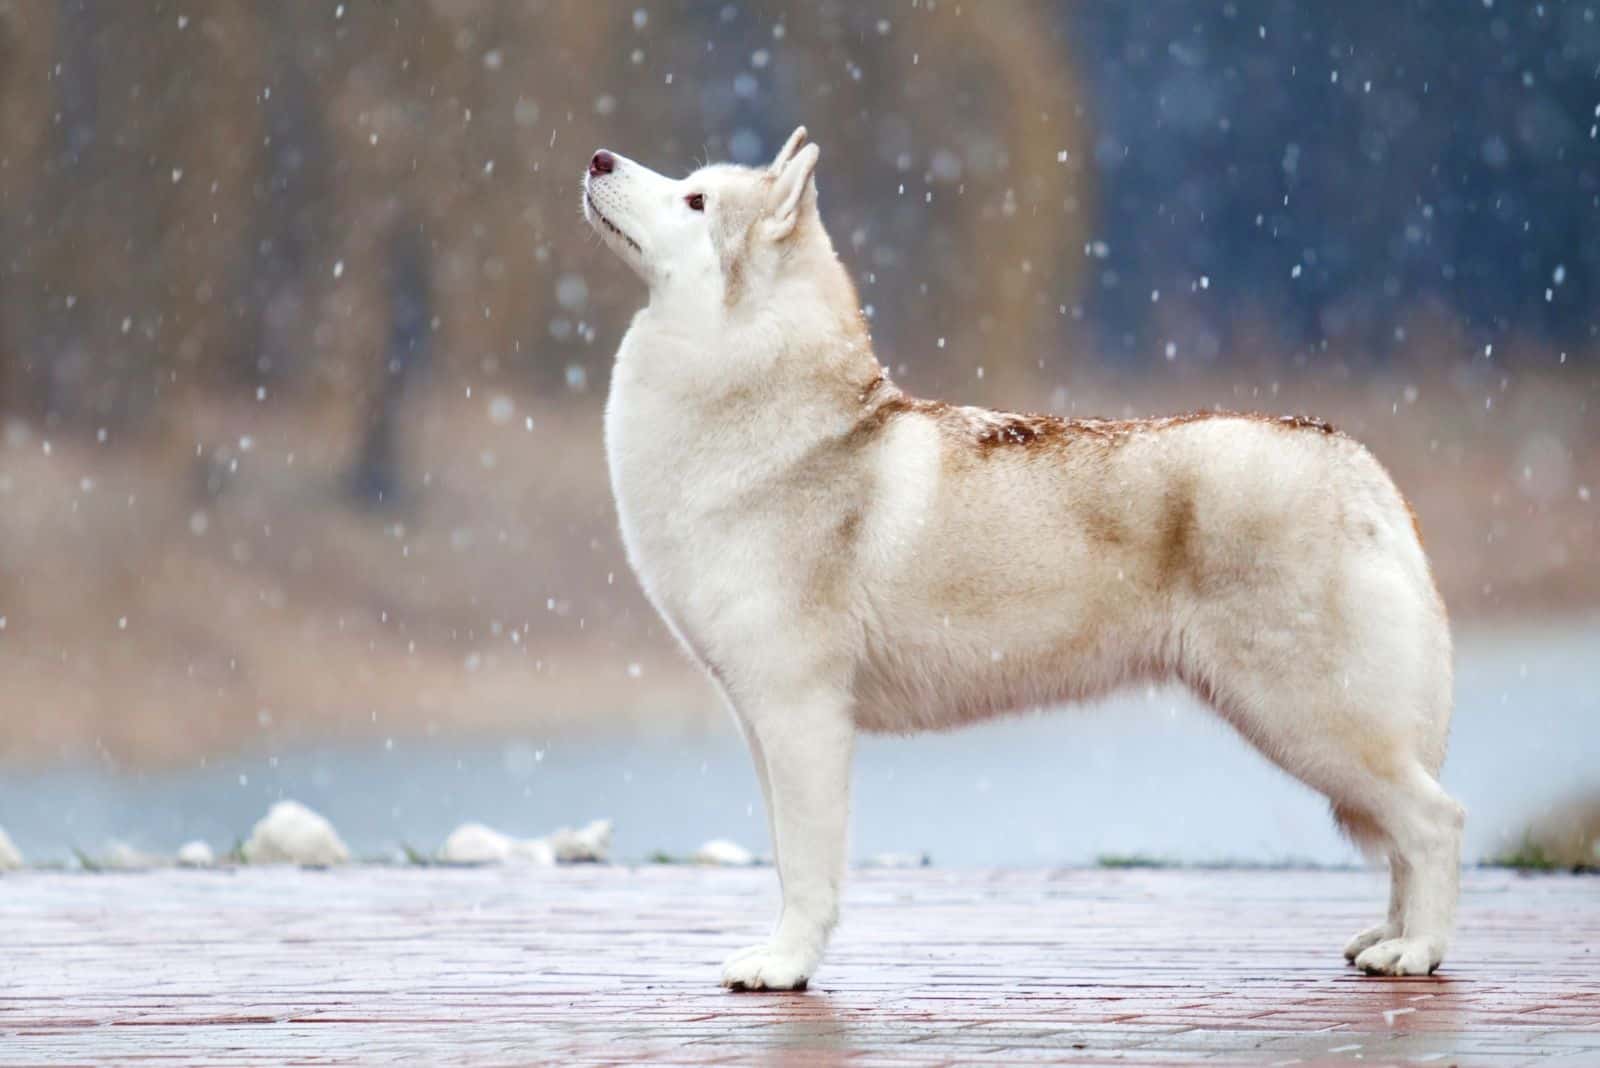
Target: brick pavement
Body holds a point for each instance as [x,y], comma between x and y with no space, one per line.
[619,965]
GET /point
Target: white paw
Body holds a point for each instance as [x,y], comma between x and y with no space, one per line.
[768,966]
[1399,956]
[1370,937]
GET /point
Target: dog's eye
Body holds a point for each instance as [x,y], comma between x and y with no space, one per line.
[696,201]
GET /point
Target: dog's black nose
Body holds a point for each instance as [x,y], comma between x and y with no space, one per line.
[602,163]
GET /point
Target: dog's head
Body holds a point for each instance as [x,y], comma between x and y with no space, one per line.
[717,232]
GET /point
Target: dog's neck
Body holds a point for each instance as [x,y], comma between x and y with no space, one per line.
[801,341]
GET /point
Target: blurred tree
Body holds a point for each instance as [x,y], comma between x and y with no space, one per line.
[1336,167]
[132,202]
[290,226]
[376,479]
[25,47]
[56,363]
[996,121]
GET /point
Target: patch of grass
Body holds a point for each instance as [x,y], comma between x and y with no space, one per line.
[1132,860]
[87,862]
[1530,855]
[662,857]
[420,860]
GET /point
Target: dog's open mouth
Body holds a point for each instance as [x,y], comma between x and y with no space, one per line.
[608,224]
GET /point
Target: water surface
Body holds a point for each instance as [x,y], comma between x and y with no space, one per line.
[1144,773]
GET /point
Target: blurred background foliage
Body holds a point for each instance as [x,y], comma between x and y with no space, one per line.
[303,342]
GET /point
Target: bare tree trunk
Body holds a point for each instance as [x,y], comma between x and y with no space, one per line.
[377,479]
[55,360]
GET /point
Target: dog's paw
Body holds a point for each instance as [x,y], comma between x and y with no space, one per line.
[1369,938]
[768,966]
[1399,956]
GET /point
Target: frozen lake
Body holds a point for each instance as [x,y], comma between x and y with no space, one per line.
[1144,773]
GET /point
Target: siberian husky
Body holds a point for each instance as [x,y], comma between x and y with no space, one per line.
[840,556]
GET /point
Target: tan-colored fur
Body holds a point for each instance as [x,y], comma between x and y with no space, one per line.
[841,556]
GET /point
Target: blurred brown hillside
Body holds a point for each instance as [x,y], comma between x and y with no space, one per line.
[303,342]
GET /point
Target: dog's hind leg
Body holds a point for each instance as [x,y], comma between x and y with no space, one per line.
[1425,824]
[1370,839]
[1359,716]
[1394,925]
[1367,769]
[805,739]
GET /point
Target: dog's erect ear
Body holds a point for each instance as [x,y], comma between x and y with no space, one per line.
[793,190]
[786,153]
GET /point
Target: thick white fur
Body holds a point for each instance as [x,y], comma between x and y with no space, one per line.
[841,557]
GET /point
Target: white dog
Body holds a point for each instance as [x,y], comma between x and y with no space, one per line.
[840,556]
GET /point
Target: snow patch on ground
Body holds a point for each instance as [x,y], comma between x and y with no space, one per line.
[475,843]
[120,856]
[291,833]
[196,854]
[590,844]
[723,853]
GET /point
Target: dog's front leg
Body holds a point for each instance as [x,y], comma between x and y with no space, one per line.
[805,742]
